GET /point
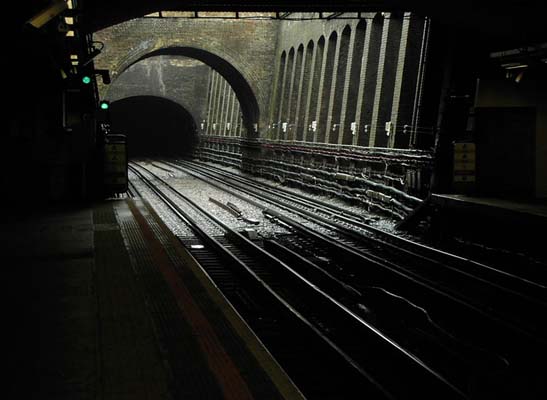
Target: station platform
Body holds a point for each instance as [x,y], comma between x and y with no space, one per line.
[103,302]
[519,208]
[511,223]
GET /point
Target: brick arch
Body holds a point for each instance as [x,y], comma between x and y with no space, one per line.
[247,46]
[244,92]
[144,78]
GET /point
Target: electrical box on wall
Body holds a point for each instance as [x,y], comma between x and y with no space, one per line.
[115,164]
[464,166]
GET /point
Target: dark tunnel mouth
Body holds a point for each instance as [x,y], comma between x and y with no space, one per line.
[175,136]
[242,89]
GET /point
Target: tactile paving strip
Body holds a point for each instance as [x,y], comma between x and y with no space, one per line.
[204,354]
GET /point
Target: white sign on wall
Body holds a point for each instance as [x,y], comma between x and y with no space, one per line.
[389,127]
[284,126]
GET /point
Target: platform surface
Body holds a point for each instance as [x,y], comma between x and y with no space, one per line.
[503,224]
[533,208]
[105,303]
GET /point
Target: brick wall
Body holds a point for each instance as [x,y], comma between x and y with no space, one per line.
[242,50]
[361,71]
[340,73]
[178,79]
[345,77]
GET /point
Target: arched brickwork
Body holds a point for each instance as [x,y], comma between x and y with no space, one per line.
[338,87]
[363,73]
[317,66]
[352,88]
[242,52]
[295,94]
[306,86]
[275,119]
[177,79]
[369,77]
[361,70]
[327,74]
[286,98]
[245,95]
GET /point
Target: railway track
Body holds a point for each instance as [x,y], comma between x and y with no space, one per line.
[503,294]
[463,343]
[538,278]
[356,352]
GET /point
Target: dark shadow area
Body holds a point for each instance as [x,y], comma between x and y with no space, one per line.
[154,126]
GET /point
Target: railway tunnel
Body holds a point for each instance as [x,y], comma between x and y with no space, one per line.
[275,200]
[154,126]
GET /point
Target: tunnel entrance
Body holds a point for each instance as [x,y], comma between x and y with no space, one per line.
[245,95]
[154,126]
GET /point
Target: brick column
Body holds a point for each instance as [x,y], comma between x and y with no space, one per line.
[325,86]
[367,79]
[314,89]
[211,118]
[353,84]
[333,98]
[240,121]
[218,96]
[276,96]
[303,92]
[281,97]
[296,85]
[223,95]
[406,81]
[232,115]
[208,103]
[211,101]
[387,68]
[226,119]
[344,89]
[285,106]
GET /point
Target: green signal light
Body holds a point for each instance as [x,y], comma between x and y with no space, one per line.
[104,105]
[86,79]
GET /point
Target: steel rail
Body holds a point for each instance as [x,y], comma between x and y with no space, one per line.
[412,364]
